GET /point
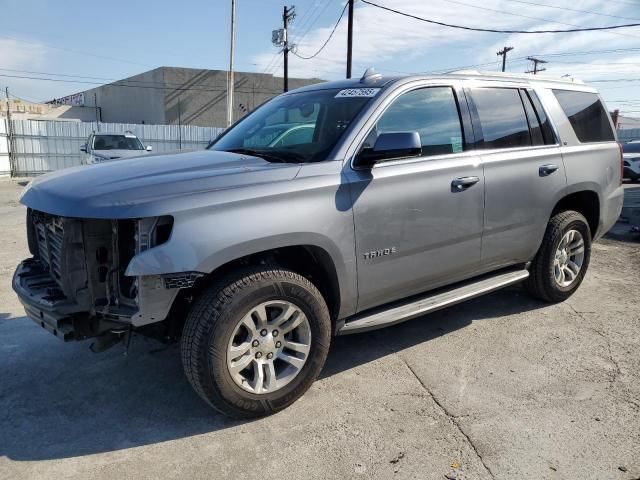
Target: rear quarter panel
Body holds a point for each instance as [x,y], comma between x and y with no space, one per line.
[588,166]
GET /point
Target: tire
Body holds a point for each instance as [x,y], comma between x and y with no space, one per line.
[222,310]
[542,282]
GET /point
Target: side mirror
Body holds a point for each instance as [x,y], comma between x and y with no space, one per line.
[83,148]
[391,145]
[149,148]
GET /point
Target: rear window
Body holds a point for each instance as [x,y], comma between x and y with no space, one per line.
[588,117]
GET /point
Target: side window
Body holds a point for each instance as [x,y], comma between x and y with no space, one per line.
[432,112]
[586,114]
[295,136]
[532,118]
[545,123]
[502,117]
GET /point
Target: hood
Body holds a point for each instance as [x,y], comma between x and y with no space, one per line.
[144,187]
[115,153]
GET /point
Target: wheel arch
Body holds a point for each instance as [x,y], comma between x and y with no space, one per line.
[586,202]
[309,260]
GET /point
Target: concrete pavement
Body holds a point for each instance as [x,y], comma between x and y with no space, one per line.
[501,387]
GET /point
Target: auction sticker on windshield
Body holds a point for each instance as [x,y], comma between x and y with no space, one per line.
[357,92]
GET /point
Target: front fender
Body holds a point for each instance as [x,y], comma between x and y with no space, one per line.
[202,240]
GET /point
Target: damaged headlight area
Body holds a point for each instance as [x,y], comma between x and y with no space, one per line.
[75,285]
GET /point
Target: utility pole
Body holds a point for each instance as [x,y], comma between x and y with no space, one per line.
[350,39]
[95,104]
[288,14]
[536,61]
[230,79]
[179,124]
[10,144]
[503,53]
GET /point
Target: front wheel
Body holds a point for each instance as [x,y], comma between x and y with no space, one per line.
[254,342]
[563,258]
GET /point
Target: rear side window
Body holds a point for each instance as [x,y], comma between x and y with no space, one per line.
[545,124]
[587,115]
[502,118]
[534,124]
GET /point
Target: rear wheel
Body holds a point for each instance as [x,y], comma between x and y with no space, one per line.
[254,342]
[563,258]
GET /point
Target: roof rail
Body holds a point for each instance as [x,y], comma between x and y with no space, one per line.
[517,76]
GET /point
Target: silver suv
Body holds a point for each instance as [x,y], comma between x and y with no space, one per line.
[395,197]
[104,147]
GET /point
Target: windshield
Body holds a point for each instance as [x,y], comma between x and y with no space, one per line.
[631,147]
[299,127]
[116,142]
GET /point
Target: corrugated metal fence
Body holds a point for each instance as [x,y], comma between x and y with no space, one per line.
[44,146]
[629,134]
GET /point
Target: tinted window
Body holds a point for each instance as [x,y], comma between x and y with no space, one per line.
[502,117]
[432,112]
[116,142]
[534,124]
[297,127]
[545,124]
[587,115]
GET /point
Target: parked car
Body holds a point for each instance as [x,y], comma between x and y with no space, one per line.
[104,147]
[412,194]
[631,154]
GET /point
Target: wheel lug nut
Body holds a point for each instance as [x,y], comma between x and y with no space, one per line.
[269,356]
[259,355]
[274,333]
[263,332]
[255,343]
[278,344]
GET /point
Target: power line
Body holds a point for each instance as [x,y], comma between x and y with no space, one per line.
[502,12]
[311,20]
[327,40]
[491,30]
[572,9]
[589,52]
[141,83]
[221,89]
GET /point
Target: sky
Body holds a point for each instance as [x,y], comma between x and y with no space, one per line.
[62,44]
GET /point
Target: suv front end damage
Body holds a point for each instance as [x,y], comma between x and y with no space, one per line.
[75,285]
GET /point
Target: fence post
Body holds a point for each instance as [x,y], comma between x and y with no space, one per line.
[10,147]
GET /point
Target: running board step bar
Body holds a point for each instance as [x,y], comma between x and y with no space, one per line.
[441,298]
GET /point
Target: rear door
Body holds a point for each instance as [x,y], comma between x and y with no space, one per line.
[415,229]
[523,168]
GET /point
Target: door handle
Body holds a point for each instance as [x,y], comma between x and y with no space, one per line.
[463,183]
[546,170]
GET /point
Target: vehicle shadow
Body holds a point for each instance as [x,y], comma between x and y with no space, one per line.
[60,401]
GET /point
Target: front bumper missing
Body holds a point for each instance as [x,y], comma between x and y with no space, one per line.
[45,304]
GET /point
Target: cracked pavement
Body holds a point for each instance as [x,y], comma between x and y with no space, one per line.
[501,387]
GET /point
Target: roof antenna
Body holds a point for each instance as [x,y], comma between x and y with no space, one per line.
[370,75]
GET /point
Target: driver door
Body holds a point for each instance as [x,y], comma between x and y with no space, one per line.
[415,228]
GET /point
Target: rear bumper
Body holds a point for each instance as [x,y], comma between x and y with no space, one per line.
[611,208]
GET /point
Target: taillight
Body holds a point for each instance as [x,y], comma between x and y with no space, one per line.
[621,162]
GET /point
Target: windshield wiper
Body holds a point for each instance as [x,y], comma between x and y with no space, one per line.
[257,153]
